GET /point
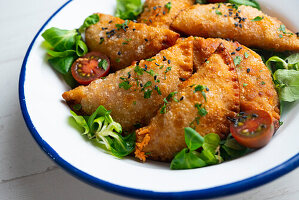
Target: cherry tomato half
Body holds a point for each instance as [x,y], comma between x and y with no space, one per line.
[90,67]
[253,129]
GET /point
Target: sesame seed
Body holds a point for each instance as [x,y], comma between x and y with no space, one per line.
[137,63]
[248,70]
[213,8]
[129,75]
[141,85]
[145,67]
[225,15]
[135,21]
[236,24]
[218,5]
[168,61]
[206,60]
[237,14]
[155,77]
[163,12]
[110,22]
[297,34]
[157,64]
[154,7]
[118,53]
[150,21]
[239,11]
[238,49]
[181,98]
[230,9]
[157,14]
[207,89]
[182,79]
[164,58]
[134,29]
[233,53]
[145,39]
[227,39]
[240,25]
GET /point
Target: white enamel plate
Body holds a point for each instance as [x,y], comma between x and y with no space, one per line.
[47,118]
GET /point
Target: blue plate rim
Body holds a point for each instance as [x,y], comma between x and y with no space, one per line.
[219,191]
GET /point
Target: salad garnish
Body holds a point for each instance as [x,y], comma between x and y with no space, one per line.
[208,150]
[101,128]
[65,46]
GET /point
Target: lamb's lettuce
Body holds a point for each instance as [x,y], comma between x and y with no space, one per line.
[287,84]
[128,9]
[251,3]
[65,46]
[90,20]
[207,150]
[102,128]
[286,76]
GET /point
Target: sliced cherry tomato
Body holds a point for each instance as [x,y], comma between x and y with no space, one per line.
[90,67]
[217,1]
[253,129]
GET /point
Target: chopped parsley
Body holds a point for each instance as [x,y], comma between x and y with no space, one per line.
[218,12]
[150,59]
[200,88]
[123,26]
[246,55]
[158,90]
[117,60]
[263,83]
[257,18]
[237,60]
[103,64]
[101,40]
[125,84]
[138,70]
[282,28]
[168,6]
[245,84]
[148,93]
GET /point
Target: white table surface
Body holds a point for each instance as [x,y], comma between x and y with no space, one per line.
[25,171]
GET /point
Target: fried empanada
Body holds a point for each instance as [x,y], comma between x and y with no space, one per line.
[161,13]
[257,90]
[124,41]
[219,96]
[134,94]
[245,24]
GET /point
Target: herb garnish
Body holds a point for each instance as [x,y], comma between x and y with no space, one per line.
[237,60]
[257,18]
[103,64]
[102,129]
[168,6]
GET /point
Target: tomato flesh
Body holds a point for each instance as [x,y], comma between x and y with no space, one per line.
[86,69]
[253,129]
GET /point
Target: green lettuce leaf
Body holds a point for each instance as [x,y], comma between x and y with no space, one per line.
[193,139]
[105,130]
[128,9]
[251,3]
[61,40]
[287,83]
[186,159]
[90,20]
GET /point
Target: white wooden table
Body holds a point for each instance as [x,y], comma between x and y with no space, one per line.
[25,171]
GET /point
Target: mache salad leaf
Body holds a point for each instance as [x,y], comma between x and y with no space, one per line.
[207,150]
[128,9]
[103,129]
[65,46]
[285,76]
